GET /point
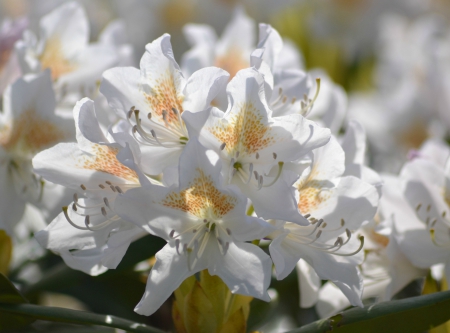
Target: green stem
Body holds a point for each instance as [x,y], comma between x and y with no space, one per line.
[76,317]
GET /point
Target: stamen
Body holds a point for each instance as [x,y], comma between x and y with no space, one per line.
[75,197]
[257,155]
[101,186]
[280,169]
[172,233]
[228,231]
[104,211]
[306,216]
[64,209]
[418,207]
[119,189]
[83,187]
[222,146]
[274,156]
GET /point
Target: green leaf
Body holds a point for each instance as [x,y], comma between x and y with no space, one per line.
[75,317]
[9,294]
[216,291]
[415,314]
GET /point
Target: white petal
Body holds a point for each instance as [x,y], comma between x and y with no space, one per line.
[169,271]
[309,284]
[68,23]
[245,269]
[203,86]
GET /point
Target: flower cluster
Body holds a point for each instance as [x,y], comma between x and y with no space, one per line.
[245,163]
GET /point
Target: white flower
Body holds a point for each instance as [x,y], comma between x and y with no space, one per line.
[206,227]
[425,239]
[88,234]
[155,98]
[28,124]
[63,47]
[335,205]
[252,144]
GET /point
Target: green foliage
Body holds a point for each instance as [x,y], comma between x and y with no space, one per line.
[415,314]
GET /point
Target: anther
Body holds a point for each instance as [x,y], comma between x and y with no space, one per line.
[307,216]
[222,146]
[428,208]
[106,201]
[74,207]
[274,156]
[87,220]
[324,225]
[112,188]
[228,231]
[135,129]
[153,133]
[101,186]
[172,232]
[256,174]
[149,115]
[444,213]
[257,155]
[104,211]
[319,233]
[75,197]
[119,190]
[194,230]
[237,155]
[108,182]
[175,111]
[342,222]
[83,187]
[205,221]
[418,207]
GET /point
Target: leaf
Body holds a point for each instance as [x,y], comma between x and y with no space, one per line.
[5,251]
[75,317]
[415,314]
[10,295]
[237,323]
[199,314]
[183,290]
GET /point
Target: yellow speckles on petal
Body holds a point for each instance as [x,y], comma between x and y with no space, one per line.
[245,132]
[29,134]
[311,195]
[201,198]
[53,57]
[164,96]
[105,160]
[232,61]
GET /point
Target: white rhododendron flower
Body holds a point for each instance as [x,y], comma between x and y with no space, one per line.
[335,206]
[89,234]
[63,47]
[205,224]
[425,240]
[28,124]
[154,99]
[252,144]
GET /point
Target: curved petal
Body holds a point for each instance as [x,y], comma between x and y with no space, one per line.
[169,271]
[203,86]
[245,269]
[69,24]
